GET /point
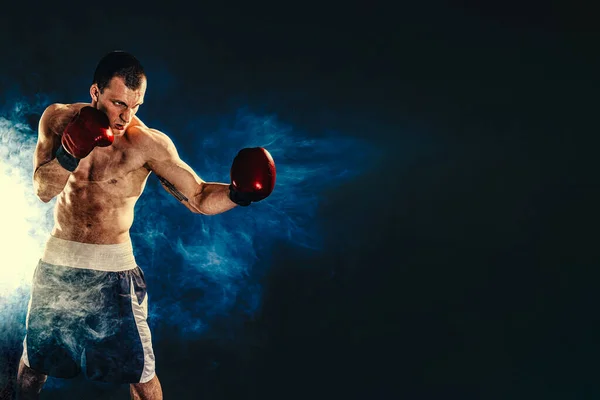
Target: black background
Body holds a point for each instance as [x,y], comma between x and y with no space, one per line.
[469,275]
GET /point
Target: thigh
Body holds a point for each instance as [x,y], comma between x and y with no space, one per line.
[124,355]
[53,343]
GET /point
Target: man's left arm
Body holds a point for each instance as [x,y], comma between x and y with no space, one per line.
[179,179]
[252,173]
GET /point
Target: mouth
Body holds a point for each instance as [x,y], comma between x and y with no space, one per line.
[119,127]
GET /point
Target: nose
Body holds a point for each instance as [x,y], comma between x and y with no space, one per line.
[126,116]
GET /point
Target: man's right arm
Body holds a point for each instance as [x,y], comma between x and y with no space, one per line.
[49,177]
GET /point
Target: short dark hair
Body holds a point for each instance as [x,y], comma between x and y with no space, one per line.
[122,64]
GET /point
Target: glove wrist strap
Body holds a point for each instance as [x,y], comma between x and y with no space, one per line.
[237,198]
[66,160]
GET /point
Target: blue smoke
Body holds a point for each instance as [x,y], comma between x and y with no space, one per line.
[214,264]
[204,273]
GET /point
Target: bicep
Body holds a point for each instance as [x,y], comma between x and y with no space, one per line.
[176,176]
[48,141]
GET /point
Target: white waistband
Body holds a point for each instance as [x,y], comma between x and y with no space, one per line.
[102,257]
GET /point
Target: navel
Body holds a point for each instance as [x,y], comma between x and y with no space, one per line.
[112,181]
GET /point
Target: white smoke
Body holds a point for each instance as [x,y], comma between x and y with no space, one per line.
[26,221]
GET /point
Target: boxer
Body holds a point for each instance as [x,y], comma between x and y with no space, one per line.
[95,159]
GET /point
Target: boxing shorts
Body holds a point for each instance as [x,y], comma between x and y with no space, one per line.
[88,311]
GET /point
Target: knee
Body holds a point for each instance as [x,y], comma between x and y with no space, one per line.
[148,390]
[28,379]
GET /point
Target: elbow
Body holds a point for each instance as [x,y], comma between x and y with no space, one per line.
[197,204]
[44,197]
[40,194]
[194,207]
[200,211]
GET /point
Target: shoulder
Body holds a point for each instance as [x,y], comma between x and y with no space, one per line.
[149,137]
[57,115]
[155,144]
[62,108]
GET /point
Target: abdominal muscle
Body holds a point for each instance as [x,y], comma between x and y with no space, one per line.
[89,218]
[97,203]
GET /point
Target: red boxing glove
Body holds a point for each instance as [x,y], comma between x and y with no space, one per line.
[252,176]
[88,129]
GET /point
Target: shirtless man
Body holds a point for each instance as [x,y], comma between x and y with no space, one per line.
[88,306]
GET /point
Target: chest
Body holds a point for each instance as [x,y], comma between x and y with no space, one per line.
[117,169]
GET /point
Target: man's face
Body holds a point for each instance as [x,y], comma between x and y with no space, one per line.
[119,102]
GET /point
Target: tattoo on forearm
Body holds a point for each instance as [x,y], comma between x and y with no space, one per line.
[171,188]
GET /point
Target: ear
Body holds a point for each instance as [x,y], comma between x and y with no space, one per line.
[94,93]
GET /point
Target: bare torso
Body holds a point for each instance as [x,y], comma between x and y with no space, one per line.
[97,203]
